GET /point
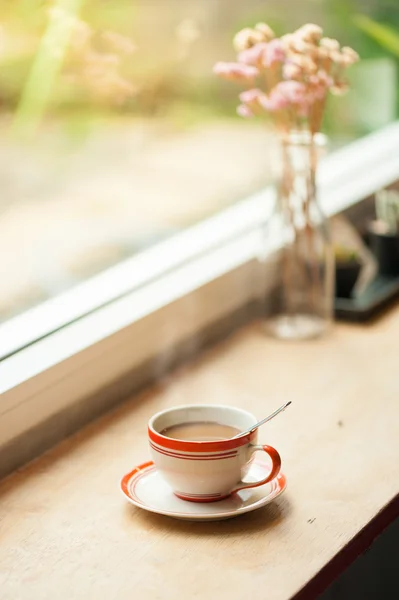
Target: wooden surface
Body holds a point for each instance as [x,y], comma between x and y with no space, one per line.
[67,533]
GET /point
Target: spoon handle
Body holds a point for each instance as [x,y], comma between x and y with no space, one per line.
[265,420]
[270,417]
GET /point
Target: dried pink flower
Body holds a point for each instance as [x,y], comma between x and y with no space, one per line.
[303,66]
[287,40]
[305,63]
[246,38]
[254,55]
[321,78]
[235,71]
[329,43]
[91,60]
[339,88]
[275,101]
[297,44]
[289,93]
[337,57]
[253,99]
[244,111]
[250,96]
[273,53]
[350,55]
[310,32]
[323,52]
[317,92]
[266,31]
[291,71]
[294,91]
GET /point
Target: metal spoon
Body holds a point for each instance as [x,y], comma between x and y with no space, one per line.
[265,420]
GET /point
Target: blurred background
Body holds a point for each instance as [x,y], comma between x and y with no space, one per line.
[115,133]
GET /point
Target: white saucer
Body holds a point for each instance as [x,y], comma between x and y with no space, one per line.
[145,488]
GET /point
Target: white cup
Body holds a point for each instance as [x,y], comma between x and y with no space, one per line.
[207,471]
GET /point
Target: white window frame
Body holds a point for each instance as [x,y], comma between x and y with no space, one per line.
[159,299]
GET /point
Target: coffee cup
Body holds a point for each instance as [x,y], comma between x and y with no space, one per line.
[206,469]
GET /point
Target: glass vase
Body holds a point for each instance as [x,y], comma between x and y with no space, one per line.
[299,303]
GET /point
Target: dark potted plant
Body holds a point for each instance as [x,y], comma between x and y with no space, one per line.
[347,271]
[384,232]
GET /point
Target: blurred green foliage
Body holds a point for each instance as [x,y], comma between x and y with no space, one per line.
[181,86]
[384,35]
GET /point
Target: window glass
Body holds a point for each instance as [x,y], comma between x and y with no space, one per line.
[116,134]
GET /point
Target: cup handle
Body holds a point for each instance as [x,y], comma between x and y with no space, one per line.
[276,465]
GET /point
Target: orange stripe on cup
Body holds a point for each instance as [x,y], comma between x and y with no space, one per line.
[202,456]
[190,446]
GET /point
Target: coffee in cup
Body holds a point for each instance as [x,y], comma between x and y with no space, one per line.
[200,431]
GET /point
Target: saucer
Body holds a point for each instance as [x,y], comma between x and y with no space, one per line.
[145,488]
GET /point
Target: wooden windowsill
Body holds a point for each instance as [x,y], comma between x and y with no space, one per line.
[66,531]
